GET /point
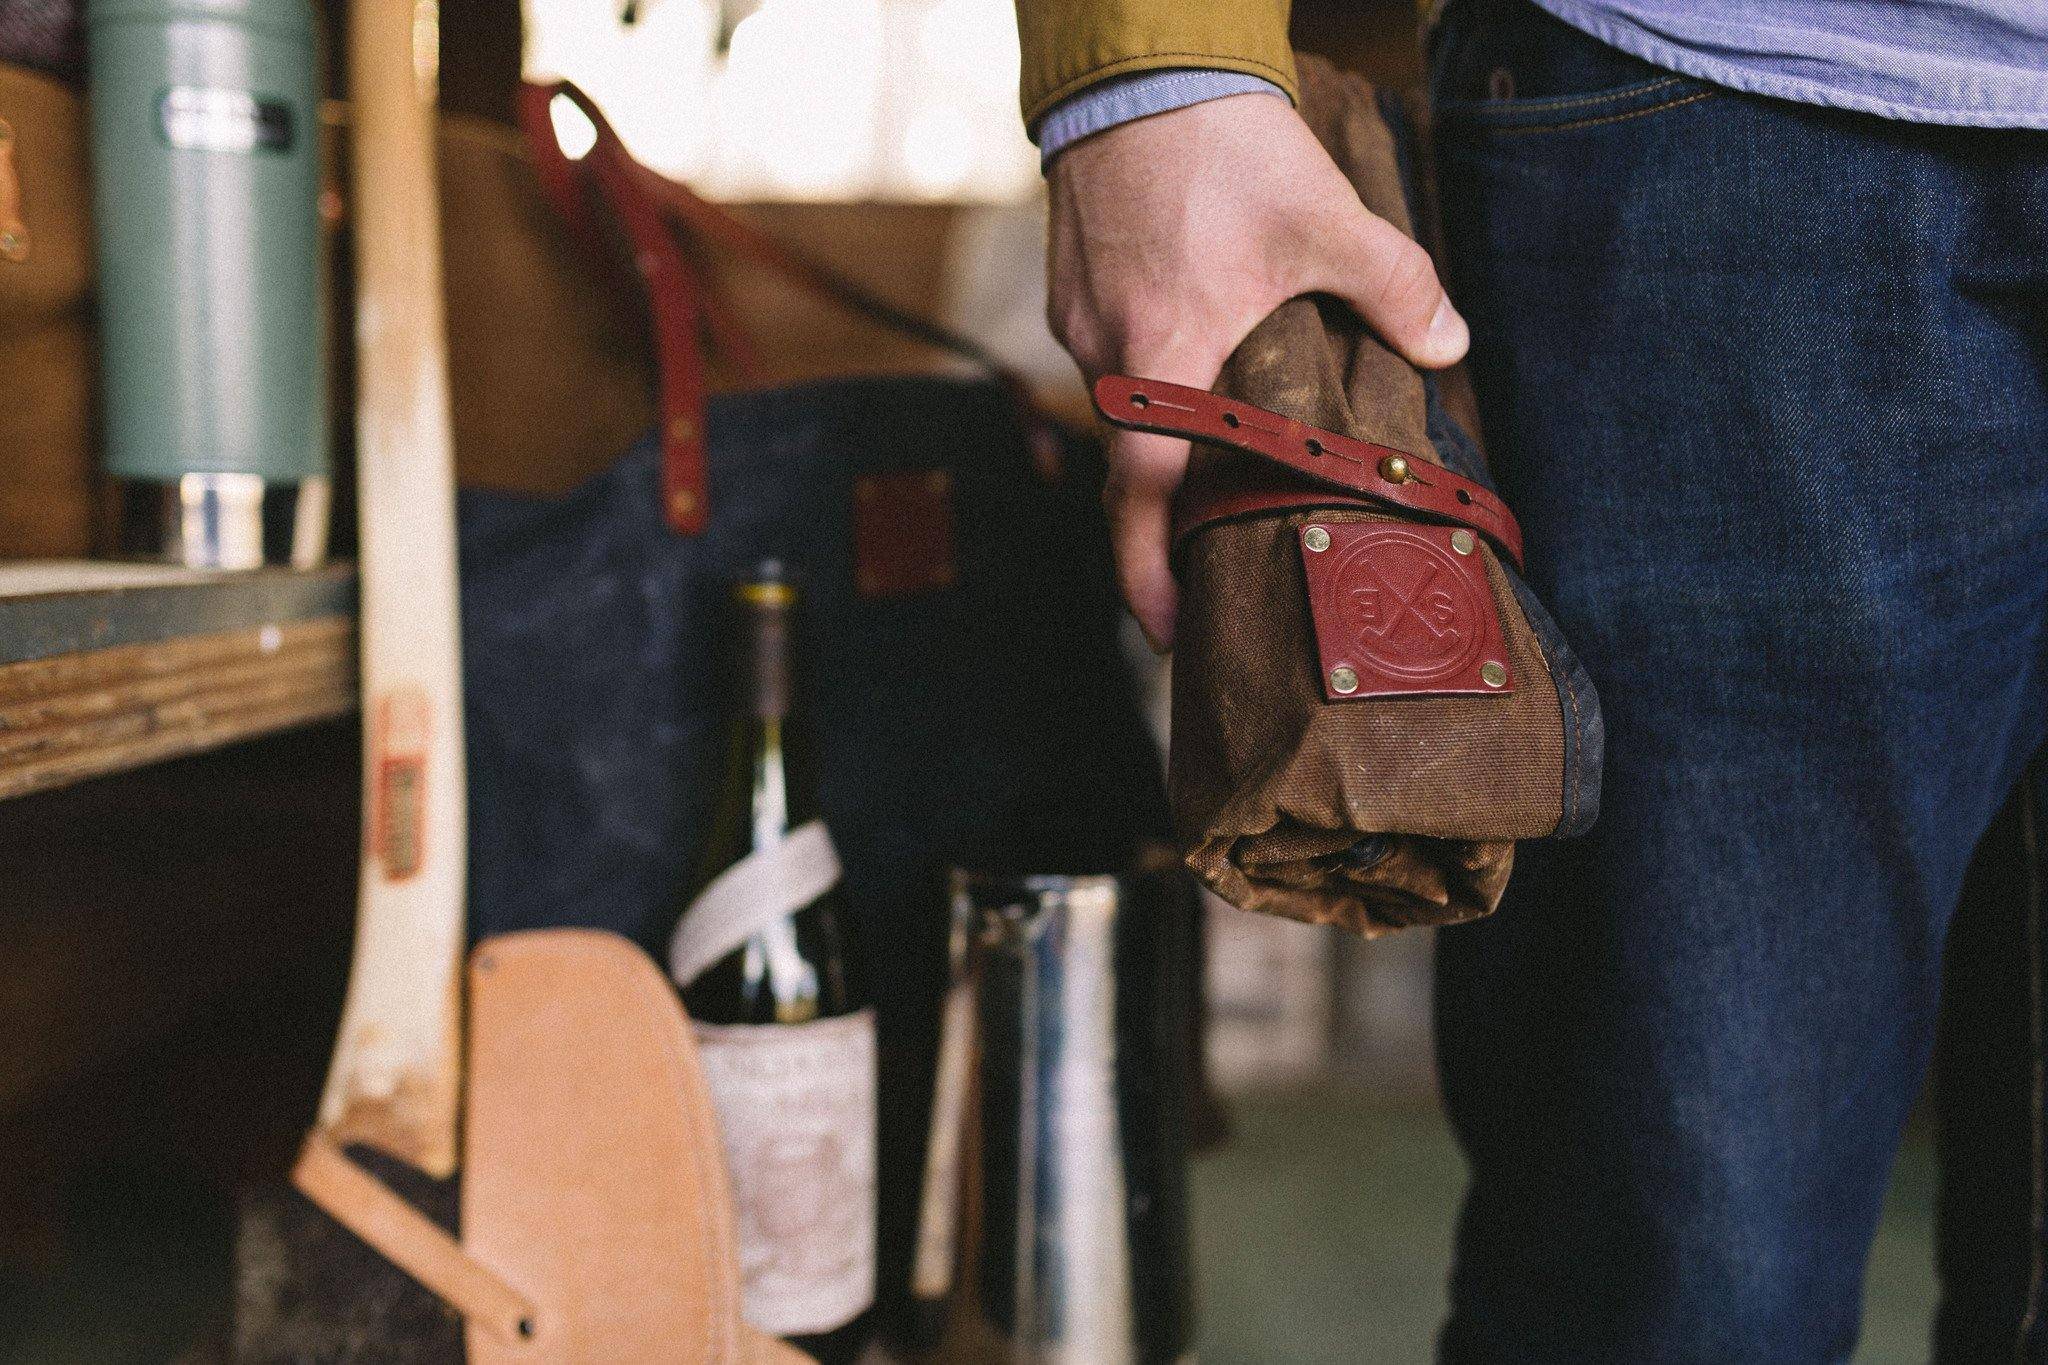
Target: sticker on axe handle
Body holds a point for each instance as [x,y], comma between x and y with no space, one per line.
[399,793]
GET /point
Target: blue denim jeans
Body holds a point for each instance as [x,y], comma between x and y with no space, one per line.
[1768,387]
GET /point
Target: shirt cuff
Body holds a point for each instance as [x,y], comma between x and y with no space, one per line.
[1123,98]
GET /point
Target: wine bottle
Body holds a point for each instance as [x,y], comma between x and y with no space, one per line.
[783,1025]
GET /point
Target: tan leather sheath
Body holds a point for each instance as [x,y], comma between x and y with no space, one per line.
[597,1223]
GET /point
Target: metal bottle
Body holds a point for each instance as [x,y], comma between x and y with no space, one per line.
[205,147]
[1080,1253]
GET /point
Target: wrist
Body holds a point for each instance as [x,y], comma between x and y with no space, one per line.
[1123,99]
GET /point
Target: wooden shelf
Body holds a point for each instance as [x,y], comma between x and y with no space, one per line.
[105,667]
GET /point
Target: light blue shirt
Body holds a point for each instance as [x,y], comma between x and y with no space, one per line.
[1982,63]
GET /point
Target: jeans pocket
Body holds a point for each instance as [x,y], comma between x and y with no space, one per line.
[1505,66]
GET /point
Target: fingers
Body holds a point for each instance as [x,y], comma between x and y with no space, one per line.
[1144,471]
[1380,271]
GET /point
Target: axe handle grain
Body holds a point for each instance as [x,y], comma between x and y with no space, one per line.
[395,1080]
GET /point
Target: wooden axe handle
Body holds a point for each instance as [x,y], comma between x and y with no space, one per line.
[395,1082]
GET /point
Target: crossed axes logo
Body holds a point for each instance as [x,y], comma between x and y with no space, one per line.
[1384,606]
[1410,608]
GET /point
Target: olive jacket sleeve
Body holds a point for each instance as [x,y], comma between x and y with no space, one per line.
[1069,45]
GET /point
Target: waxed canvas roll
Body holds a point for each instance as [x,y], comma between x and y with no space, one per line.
[1370,812]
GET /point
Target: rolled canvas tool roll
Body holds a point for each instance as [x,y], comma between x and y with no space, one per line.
[1369,705]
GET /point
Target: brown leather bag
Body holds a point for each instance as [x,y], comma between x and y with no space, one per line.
[1369,705]
[46,334]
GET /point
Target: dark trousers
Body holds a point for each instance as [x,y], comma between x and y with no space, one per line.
[1768,387]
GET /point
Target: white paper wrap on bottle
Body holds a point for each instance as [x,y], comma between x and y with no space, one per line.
[796,1114]
[760,889]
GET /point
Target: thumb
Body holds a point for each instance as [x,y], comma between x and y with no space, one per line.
[1379,270]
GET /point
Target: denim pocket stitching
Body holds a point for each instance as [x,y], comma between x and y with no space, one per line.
[1543,116]
[1693,98]
[1579,101]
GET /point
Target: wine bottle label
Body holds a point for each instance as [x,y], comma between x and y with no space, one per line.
[796,1107]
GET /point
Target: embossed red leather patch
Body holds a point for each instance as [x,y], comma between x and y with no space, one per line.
[1402,610]
[903,532]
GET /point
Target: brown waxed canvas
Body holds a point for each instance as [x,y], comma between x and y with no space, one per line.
[1271,782]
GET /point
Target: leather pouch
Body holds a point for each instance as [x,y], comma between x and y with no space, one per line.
[596,1221]
[1369,704]
[592,1176]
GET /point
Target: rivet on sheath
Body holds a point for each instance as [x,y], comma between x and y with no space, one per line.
[1344,681]
[1493,674]
[1394,469]
[1316,539]
[1462,542]
[682,429]
[682,503]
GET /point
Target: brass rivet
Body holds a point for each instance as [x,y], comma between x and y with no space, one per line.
[682,503]
[1394,469]
[1493,674]
[1343,680]
[1462,542]
[1316,539]
[682,429]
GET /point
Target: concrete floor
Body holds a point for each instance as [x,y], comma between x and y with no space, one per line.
[1323,1234]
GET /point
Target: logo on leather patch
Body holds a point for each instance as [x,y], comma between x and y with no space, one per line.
[1402,610]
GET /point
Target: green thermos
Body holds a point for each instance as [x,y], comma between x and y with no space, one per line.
[206,180]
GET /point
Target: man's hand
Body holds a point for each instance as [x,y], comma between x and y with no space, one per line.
[1171,238]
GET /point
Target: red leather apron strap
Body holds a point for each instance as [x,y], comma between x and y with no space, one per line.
[703,220]
[674,290]
[1338,469]
[658,216]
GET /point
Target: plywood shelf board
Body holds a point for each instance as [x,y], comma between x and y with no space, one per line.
[107,667]
[58,607]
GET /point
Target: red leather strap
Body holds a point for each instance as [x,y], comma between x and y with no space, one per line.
[700,218]
[674,290]
[1236,488]
[659,217]
[1354,470]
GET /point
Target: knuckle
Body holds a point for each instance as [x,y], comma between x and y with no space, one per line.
[1408,283]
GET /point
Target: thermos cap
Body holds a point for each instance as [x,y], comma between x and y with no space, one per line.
[287,18]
